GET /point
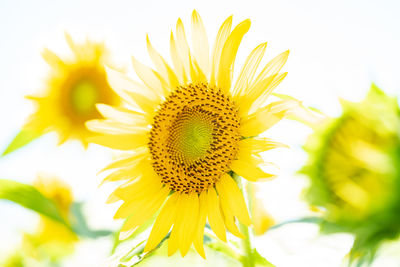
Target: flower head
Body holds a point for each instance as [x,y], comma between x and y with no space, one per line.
[354,171]
[74,86]
[190,128]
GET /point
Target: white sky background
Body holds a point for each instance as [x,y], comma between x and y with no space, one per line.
[337,49]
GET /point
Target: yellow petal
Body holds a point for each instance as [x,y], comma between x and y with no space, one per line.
[247,98]
[200,43]
[128,161]
[163,223]
[150,78]
[196,73]
[144,212]
[258,144]
[273,67]
[121,141]
[52,59]
[249,170]
[228,55]
[261,92]
[264,118]
[72,44]
[178,236]
[229,218]
[120,82]
[230,193]
[141,167]
[146,185]
[173,244]
[141,171]
[122,114]
[189,225]
[249,69]
[113,127]
[214,215]
[132,92]
[177,62]
[220,40]
[147,105]
[173,241]
[163,68]
[183,47]
[199,236]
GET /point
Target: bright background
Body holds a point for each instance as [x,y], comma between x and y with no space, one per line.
[337,49]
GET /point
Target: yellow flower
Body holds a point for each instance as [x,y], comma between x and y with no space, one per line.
[190,129]
[52,239]
[74,86]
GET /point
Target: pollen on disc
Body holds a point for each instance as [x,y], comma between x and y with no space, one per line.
[194,137]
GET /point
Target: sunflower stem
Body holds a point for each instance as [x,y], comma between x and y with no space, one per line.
[247,247]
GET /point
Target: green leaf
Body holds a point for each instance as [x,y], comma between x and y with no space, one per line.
[260,260]
[137,232]
[79,224]
[30,198]
[224,248]
[136,251]
[23,138]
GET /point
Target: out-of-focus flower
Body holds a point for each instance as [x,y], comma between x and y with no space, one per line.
[190,129]
[52,239]
[74,86]
[354,168]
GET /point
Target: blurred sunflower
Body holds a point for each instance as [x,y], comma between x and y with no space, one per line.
[74,86]
[191,131]
[355,172]
[52,239]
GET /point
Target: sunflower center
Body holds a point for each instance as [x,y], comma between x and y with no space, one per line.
[194,138]
[191,135]
[84,96]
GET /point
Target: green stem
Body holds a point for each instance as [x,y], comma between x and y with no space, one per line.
[248,251]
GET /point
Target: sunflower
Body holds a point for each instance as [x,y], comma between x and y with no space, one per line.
[52,239]
[74,86]
[354,172]
[191,133]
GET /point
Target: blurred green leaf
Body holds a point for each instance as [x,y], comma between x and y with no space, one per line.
[30,198]
[316,220]
[79,224]
[23,138]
